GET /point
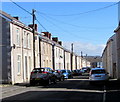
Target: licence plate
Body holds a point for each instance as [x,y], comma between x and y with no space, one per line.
[37,79]
[97,76]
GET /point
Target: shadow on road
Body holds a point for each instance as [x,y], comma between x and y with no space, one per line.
[76,89]
[80,82]
[55,96]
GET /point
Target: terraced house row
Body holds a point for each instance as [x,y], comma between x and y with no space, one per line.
[17,57]
[111,53]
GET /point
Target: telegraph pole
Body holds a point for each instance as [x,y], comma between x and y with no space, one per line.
[33,14]
[86,60]
[71,56]
[81,58]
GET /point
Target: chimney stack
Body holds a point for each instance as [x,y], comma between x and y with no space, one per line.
[60,42]
[31,26]
[47,34]
[17,18]
[55,39]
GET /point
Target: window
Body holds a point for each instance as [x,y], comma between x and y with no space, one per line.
[28,41]
[30,63]
[98,72]
[18,64]
[18,36]
[43,48]
[47,48]
[56,52]
[25,39]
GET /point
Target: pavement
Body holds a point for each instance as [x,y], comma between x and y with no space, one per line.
[6,88]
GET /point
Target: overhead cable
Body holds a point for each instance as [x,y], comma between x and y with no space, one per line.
[41,25]
[82,12]
[21,7]
[72,24]
[68,32]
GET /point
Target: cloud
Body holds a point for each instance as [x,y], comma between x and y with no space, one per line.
[87,48]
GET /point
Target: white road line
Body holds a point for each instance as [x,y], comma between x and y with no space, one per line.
[65,89]
[104,94]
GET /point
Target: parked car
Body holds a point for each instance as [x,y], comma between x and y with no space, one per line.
[42,75]
[98,74]
[67,74]
[59,75]
[76,72]
[86,69]
[80,71]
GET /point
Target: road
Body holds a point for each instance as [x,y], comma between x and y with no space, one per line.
[76,89]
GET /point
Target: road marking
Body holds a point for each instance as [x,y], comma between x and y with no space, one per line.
[65,89]
[78,79]
[104,94]
[113,90]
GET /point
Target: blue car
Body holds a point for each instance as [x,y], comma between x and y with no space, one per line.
[67,74]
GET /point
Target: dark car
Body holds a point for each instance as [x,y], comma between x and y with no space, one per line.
[67,74]
[75,72]
[42,75]
[59,75]
[86,69]
[79,71]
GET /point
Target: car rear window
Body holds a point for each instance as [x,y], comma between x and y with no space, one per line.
[63,71]
[97,71]
[36,70]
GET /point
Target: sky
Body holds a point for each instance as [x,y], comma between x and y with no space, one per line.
[82,23]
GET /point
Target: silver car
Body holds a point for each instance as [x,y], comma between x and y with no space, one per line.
[98,74]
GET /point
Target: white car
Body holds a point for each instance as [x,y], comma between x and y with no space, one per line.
[98,74]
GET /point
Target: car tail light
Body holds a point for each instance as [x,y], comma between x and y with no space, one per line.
[32,72]
[90,73]
[44,72]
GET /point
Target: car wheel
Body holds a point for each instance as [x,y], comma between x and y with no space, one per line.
[91,82]
[62,79]
[32,83]
[49,81]
[55,80]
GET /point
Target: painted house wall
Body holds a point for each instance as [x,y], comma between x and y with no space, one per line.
[78,62]
[74,62]
[46,54]
[5,49]
[37,52]
[118,51]
[59,57]
[109,57]
[22,54]
[67,60]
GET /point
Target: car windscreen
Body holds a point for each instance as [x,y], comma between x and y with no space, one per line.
[63,71]
[98,71]
[36,70]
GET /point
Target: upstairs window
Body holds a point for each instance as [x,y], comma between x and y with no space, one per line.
[18,36]
[28,41]
[25,39]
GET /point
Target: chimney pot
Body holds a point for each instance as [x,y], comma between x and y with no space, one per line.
[55,39]
[17,18]
[31,26]
[47,34]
